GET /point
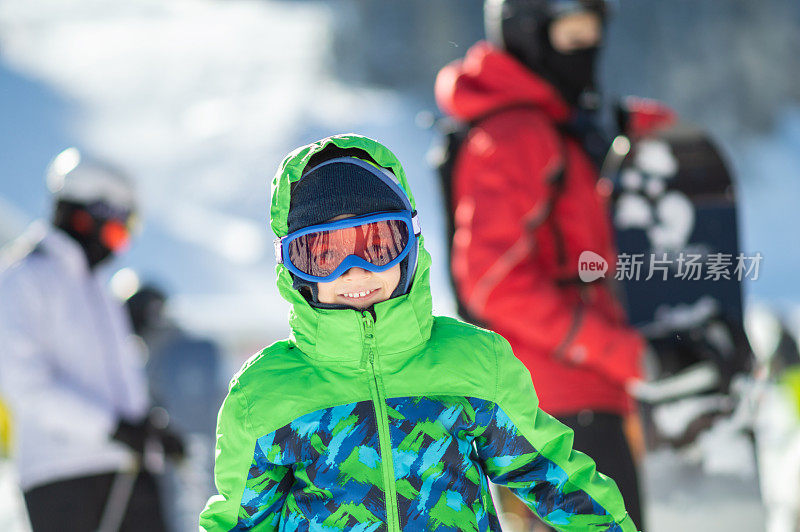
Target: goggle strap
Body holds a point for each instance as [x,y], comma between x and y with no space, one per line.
[415,224]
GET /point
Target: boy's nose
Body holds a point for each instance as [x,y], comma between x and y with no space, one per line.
[355,273]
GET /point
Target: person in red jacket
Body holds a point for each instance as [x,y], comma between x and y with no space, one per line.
[528,203]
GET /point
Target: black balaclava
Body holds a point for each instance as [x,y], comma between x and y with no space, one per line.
[573,74]
[333,190]
[84,225]
[522,28]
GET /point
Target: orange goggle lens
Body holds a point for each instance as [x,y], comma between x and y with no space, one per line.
[114,235]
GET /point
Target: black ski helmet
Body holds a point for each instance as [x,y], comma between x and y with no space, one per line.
[520,27]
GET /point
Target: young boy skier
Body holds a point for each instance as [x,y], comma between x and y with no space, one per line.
[374,415]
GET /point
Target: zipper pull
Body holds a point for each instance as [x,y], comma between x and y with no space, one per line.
[368,325]
[369,337]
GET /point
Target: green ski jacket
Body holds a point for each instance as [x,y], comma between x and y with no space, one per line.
[392,422]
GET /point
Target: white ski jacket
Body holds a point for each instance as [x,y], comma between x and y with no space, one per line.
[68,366]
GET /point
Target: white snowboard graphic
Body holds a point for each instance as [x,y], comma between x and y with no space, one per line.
[667,217]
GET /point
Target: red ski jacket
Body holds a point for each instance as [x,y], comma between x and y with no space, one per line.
[527,204]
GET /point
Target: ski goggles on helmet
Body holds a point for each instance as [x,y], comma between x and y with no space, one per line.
[375,242]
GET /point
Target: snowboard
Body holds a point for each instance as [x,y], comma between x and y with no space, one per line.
[680,267]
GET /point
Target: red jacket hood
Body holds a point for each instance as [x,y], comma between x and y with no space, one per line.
[488,79]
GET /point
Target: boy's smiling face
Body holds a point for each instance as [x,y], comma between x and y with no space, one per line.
[360,288]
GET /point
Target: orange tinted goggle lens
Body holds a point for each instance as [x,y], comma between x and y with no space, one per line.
[321,252]
[114,235]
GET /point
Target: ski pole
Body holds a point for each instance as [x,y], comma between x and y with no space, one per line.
[118,498]
[620,148]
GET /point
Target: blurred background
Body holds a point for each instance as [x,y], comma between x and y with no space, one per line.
[200,99]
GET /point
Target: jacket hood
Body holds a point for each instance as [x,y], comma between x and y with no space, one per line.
[402,323]
[488,79]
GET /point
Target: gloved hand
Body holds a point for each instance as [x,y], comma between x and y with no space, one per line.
[172,444]
[153,427]
[134,434]
[638,117]
[170,441]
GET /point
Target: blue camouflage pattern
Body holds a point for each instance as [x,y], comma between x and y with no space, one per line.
[323,471]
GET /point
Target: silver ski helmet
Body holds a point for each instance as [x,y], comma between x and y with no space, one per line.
[74,177]
[93,202]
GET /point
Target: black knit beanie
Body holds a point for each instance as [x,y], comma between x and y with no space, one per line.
[331,190]
[339,188]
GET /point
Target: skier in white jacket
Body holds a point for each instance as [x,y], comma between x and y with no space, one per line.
[68,367]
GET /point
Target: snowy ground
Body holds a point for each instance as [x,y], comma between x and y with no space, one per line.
[681,497]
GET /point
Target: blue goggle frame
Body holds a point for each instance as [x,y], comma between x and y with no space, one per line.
[409,218]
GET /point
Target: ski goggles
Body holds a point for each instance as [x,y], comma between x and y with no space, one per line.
[375,242]
[113,226]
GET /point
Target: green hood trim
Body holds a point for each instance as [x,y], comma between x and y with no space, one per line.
[402,323]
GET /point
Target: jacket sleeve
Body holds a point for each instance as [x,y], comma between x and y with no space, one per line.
[527,450]
[29,382]
[251,488]
[502,193]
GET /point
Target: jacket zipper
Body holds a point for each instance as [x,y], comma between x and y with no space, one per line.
[382,421]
